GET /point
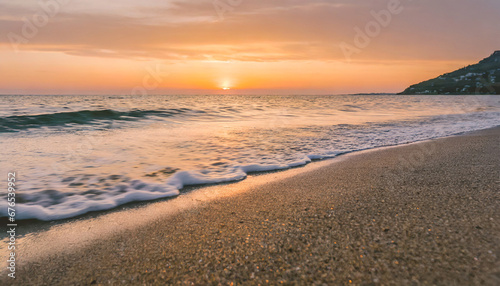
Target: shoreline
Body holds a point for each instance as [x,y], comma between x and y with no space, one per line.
[32,226]
[191,206]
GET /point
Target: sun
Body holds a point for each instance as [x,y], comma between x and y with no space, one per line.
[226,84]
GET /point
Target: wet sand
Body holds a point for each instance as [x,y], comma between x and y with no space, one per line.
[425,213]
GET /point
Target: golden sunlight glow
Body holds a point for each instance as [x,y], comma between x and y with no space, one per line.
[259,48]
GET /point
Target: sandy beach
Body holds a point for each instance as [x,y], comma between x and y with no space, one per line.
[423,213]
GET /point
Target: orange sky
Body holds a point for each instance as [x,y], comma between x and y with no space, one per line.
[250,46]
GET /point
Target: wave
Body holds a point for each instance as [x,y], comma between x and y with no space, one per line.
[84,117]
[50,204]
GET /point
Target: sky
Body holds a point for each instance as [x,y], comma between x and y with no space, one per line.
[238,46]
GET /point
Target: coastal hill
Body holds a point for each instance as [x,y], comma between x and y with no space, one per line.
[481,78]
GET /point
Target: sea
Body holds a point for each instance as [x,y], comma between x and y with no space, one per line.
[78,154]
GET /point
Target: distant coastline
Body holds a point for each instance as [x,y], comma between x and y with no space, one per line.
[375,93]
[480,78]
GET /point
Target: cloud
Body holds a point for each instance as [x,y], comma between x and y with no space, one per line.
[257,30]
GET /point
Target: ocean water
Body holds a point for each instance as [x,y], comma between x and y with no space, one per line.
[76,154]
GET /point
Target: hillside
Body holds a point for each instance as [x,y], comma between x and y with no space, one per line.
[480,78]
